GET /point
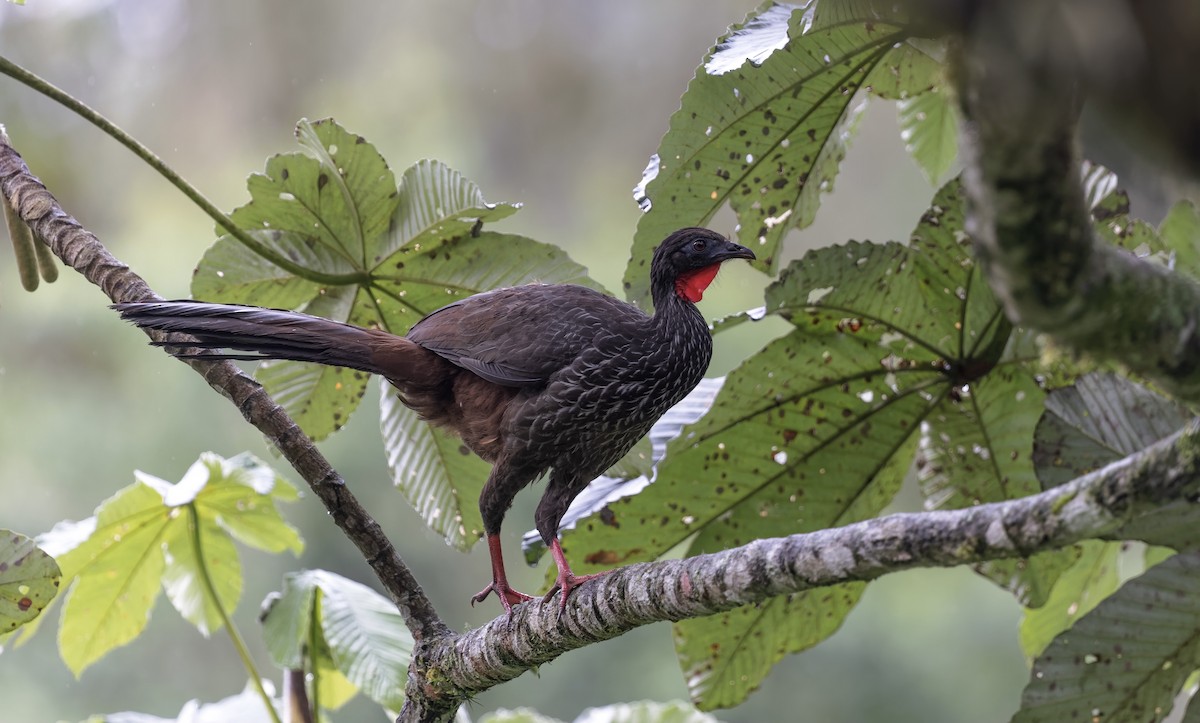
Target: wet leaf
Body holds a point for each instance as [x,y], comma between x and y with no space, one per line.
[763,127]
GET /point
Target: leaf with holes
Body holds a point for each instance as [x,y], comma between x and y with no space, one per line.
[337,236]
[29,580]
[726,656]
[764,126]
[1127,659]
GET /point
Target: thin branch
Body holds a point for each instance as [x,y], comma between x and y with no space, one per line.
[447,671]
[82,251]
[1021,95]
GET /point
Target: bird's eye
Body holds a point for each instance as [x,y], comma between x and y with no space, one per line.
[697,245]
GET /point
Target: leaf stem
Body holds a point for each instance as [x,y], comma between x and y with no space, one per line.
[235,636]
[40,85]
[313,642]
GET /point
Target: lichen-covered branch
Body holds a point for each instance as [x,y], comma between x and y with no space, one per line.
[82,251]
[449,670]
[1020,90]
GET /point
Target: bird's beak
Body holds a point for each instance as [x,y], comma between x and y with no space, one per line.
[732,251]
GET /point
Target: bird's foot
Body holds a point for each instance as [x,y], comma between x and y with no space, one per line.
[566,582]
[508,596]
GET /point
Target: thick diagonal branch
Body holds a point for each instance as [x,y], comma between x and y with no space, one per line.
[82,251]
[1020,89]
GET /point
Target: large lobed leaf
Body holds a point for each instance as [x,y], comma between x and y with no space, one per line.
[892,343]
[765,123]
[337,236]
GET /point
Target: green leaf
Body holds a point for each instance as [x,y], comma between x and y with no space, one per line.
[435,472]
[725,657]
[929,128]
[330,688]
[118,585]
[29,580]
[364,634]
[288,620]
[912,68]
[979,450]
[435,204]
[1126,660]
[197,548]
[339,194]
[765,136]
[1099,420]
[235,274]
[154,533]
[1180,232]
[1096,421]
[1093,577]
[368,639]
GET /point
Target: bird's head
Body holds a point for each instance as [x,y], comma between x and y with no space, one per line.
[687,260]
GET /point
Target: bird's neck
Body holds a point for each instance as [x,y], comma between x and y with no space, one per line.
[675,301]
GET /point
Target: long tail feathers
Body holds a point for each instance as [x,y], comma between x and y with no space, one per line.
[256,332]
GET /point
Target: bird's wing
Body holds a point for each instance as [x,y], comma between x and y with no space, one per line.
[522,335]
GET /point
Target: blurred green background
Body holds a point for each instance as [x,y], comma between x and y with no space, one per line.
[554,104]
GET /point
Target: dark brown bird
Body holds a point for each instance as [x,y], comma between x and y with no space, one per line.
[532,378]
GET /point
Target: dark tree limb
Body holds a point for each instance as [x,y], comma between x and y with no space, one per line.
[1021,92]
[82,251]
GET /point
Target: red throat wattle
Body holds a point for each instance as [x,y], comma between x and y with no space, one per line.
[692,284]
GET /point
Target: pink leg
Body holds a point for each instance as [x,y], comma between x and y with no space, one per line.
[567,580]
[499,584]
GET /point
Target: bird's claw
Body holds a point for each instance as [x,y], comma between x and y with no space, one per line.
[508,596]
[565,583]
